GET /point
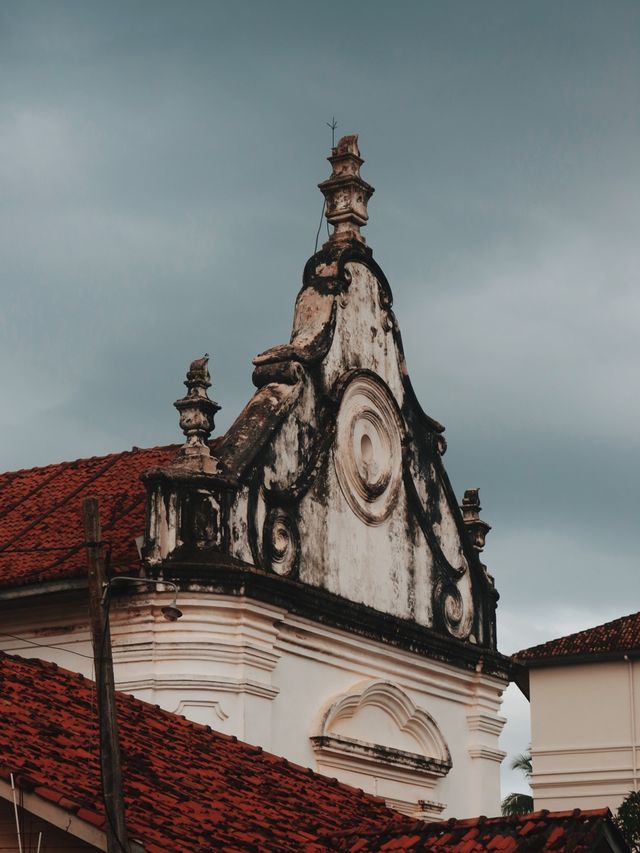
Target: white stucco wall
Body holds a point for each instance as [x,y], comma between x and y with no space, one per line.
[585,720]
[257,672]
[364,546]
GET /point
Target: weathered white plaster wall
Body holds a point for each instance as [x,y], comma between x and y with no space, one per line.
[257,672]
[585,720]
[356,534]
[363,334]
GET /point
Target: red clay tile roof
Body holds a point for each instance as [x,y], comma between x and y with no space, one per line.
[191,790]
[543,832]
[617,637]
[41,531]
[188,789]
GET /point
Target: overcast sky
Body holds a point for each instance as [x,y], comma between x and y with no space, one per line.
[158,171]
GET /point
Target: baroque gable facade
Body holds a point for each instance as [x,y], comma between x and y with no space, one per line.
[336,610]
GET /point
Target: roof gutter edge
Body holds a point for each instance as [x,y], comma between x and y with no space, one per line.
[569,660]
[31,590]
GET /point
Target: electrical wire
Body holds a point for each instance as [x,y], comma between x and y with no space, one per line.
[44,645]
[320,225]
[332,124]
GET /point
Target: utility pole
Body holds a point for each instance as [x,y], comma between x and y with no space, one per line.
[111,771]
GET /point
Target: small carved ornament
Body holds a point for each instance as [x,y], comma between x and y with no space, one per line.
[281,542]
[197,419]
[477,528]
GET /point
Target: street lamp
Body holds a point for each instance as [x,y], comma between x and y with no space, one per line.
[171,612]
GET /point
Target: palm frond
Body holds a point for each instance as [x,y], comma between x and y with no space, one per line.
[516,804]
[523,762]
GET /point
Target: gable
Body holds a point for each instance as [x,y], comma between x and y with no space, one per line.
[370,516]
[333,476]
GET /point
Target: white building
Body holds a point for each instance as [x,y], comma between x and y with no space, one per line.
[584,691]
[336,610]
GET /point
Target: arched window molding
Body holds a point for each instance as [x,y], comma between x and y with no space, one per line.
[370,761]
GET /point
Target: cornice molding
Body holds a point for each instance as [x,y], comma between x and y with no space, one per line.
[197,682]
[486,753]
[329,609]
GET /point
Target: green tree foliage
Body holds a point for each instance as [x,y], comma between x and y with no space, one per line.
[523,762]
[516,804]
[628,819]
[519,803]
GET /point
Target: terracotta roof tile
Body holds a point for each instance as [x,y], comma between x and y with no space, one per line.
[41,531]
[544,832]
[619,636]
[187,788]
[191,789]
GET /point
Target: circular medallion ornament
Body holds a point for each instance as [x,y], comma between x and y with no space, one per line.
[281,542]
[368,451]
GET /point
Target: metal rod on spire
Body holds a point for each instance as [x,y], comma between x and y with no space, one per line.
[332,124]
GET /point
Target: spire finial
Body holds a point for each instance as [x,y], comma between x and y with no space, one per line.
[346,193]
[197,418]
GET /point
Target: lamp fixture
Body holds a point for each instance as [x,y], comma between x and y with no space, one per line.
[171,612]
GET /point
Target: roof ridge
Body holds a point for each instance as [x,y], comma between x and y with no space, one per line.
[450,833]
[66,462]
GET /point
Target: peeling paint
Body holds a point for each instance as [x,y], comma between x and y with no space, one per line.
[333,472]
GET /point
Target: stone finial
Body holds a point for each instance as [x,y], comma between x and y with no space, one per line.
[477,528]
[346,193]
[197,418]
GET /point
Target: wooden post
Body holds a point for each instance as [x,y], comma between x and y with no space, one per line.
[117,840]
